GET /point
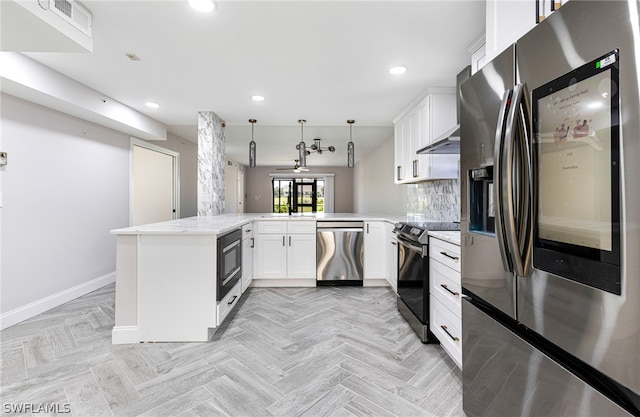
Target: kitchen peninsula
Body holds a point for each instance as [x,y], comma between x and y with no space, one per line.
[166,272]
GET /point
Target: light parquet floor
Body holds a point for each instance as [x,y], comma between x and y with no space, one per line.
[329,351]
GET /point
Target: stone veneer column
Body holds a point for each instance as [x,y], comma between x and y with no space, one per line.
[210,164]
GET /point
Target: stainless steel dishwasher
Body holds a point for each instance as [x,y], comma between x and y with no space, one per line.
[339,252]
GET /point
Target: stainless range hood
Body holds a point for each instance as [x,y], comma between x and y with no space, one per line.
[449,141]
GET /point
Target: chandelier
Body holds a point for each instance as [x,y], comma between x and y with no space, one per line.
[303,151]
[318,149]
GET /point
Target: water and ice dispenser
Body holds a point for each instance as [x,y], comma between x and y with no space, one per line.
[481,200]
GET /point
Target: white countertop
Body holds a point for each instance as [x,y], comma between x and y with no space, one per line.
[225,222]
[448,236]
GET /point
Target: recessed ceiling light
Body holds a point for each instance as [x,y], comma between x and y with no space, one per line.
[202,5]
[397,70]
[257,98]
[152,104]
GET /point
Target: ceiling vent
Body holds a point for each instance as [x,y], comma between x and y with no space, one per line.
[72,12]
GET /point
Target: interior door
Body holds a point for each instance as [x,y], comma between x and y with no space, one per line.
[154,188]
[304,197]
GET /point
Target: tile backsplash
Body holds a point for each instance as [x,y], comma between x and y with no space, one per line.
[211,149]
[434,201]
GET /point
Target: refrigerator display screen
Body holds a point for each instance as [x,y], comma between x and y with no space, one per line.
[575,119]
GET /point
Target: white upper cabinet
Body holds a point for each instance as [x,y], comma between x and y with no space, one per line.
[508,20]
[402,147]
[420,126]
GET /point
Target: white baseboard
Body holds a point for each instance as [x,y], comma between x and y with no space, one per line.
[375,283]
[275,283]
[25,312]
[121,335]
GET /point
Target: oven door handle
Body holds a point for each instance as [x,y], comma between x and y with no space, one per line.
[231,246]
[231,276]
[408,245]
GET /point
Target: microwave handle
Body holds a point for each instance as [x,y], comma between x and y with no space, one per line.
[498,195]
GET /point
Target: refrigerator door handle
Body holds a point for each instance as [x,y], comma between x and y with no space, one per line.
[498,160]
[526,209]
[516,205]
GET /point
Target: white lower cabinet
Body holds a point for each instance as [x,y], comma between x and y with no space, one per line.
[392,257]
[285,250]
[301,256]
[375,237]
[445,297]
[248,243]
[227,304]
[271,262]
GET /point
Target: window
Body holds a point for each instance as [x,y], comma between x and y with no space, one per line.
[300,195]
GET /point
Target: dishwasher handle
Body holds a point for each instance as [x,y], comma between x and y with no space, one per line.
[342,225]
[341,229]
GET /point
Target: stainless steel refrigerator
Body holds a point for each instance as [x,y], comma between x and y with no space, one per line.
[550,197]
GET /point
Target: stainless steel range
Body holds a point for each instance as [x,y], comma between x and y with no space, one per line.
[413,273]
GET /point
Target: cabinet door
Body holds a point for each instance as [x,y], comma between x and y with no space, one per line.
[403,150]
[271,255]
[424,137]
[507,21]
[374,250]
[392,257]
[415,142]
[301,256]
[247,262]
[397,152]
[441,118]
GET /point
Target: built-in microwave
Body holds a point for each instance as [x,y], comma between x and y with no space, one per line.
[229,262]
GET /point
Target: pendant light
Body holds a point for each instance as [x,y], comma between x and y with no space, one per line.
[302,147]
[252,147]
[351,152]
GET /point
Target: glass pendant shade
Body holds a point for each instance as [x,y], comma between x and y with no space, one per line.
[351,155]
[252,154]
[302,150]
[252,147]
[302,147]
[351,147]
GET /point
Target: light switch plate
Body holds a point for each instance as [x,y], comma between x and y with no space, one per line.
[3,159]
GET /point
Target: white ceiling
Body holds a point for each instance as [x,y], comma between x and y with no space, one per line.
[324,61]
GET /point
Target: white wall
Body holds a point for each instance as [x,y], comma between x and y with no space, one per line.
[258,188]
[66,185]
[375,191]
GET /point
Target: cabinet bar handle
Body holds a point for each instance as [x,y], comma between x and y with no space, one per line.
[415,168]
[283,243]
[447,288]
[289,240]
[455,339]
[234,299]
[253,242]
[455,258]
[398,172]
